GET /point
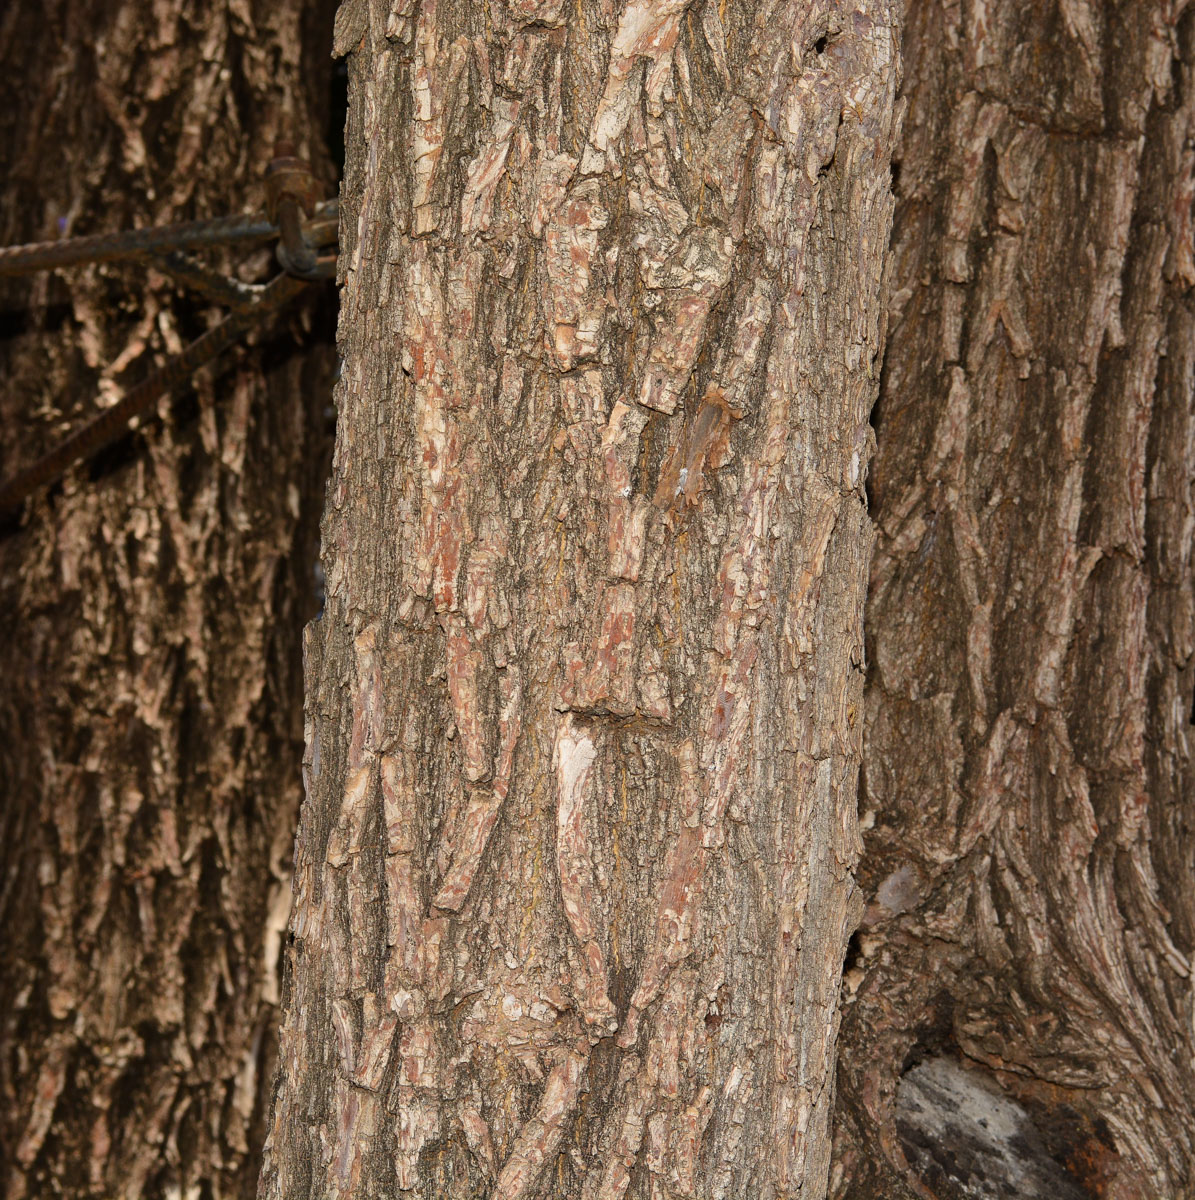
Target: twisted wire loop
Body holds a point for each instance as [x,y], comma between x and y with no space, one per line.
[111,424]
[300,226]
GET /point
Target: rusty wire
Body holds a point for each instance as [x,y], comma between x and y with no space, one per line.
[132,245]
[211,285]
[301,227]
[110,424]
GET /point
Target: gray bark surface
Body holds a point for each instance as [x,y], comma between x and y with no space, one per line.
[574,869]
[1028,776]
[151,715]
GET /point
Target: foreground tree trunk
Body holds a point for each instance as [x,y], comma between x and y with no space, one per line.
[150,721]
[1028,761]
[574,872]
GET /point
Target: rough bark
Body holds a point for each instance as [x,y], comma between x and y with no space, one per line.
[1028,769]
[150,726]
[574,868]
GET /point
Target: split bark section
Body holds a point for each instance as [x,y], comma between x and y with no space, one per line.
[574,870]
[1032,616]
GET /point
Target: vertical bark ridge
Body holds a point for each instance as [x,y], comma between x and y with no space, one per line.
[150,722]
[1031,622]
[574,868]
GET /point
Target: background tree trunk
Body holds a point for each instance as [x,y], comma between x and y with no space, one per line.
[150,722]
[574,870]
[1032,617]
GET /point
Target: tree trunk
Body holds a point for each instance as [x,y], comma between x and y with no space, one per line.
[151,723]
[574,870]
[1028,769]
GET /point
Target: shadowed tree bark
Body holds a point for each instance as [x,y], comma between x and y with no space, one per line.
[150,720]
[1027,774]
[574,870]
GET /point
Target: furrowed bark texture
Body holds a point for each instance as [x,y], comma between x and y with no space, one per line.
[574,870]
[1032,620]
[150,722]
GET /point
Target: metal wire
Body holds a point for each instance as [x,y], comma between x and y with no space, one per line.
[203,281]
[112,422]
[290,188]
[297,254]
[137,244]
